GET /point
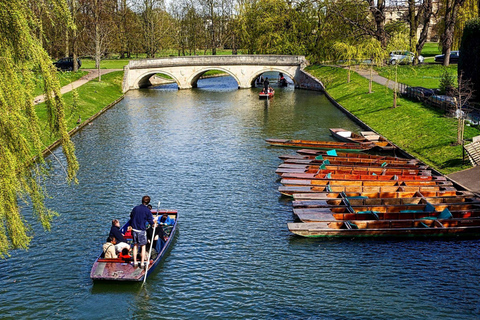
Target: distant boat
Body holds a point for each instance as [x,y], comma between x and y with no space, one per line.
[325,145]
[121,270]
[365,136]
[282,82]
[266,95]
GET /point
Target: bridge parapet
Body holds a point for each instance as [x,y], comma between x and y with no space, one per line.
[185,71]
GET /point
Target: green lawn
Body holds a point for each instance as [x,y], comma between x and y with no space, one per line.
[431,49]
[64,77]
[423,132]
[424,75]
[92,97]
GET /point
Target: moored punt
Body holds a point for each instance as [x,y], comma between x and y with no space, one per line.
[349,136]
[121,270]
[325,145]
[313,176]
[388,228]
[312,154]
[354,162]
[312,217]
[359,201]
[331,183]
[451,192]
[394,211]
[339,169]
[291,191]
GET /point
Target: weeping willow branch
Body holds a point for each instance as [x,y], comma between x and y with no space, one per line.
[22,59]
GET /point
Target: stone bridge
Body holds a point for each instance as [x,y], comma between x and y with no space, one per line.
[186,71]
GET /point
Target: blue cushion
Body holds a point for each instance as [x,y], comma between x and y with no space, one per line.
[332,152]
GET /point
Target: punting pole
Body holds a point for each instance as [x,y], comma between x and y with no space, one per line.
[151,245]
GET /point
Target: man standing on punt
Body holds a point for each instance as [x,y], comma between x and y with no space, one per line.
[139,217]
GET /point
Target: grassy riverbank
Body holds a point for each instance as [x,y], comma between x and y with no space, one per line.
[424,75]
[64,78]
[423,132]
[92,97]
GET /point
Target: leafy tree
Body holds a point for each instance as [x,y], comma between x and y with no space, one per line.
[22,56]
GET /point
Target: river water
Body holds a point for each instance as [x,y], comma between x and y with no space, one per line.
[202,152]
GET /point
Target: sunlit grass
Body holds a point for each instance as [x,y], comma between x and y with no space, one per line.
[424,75]
[92,97]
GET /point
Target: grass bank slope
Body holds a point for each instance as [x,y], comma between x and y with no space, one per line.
[423,132]
[92,98]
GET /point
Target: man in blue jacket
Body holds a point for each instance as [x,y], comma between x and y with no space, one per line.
[139,217]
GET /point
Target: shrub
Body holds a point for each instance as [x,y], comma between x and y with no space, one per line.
[469,61]
[447,83]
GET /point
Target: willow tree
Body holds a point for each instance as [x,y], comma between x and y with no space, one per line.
[22,59]
[346,52]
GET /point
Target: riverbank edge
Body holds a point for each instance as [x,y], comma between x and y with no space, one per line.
[363,125]
[78,128]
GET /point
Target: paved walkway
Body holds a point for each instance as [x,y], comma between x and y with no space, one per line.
[469,178]
[92,74]
[376,78]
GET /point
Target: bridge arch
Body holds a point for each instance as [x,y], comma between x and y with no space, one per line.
[196,76]
[143,79]
[260,72]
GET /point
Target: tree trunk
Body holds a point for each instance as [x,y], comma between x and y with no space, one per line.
[451,10]
[379,17]
[74,37]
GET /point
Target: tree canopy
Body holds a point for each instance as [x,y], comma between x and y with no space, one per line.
[22,59]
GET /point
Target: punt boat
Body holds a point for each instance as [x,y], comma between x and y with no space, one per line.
[122,270]
[369,136]
[449,192]
[324,145]
[417,228]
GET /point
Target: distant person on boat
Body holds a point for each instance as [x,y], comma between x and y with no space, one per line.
[166,220]
[109,248]
[117,234]
[266,84]
[139,217]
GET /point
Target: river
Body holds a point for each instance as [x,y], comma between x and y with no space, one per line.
[202,152]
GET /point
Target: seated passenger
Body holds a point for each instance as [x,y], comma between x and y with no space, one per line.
[117,234]
[124,255]
[109,248]
[166,220]
[158,233]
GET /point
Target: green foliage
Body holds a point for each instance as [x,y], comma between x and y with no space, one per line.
[447,83]
[22,58]
[469,62]
[421,131]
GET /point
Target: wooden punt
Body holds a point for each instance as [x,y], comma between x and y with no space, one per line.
[349,136]
[324,183]
[354,162]
[328,177]
[324,145]
[291,191]
[312,154]
[339,169]
[359,201]
[449,192]
[120,270]
[389,228]
[389,211]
